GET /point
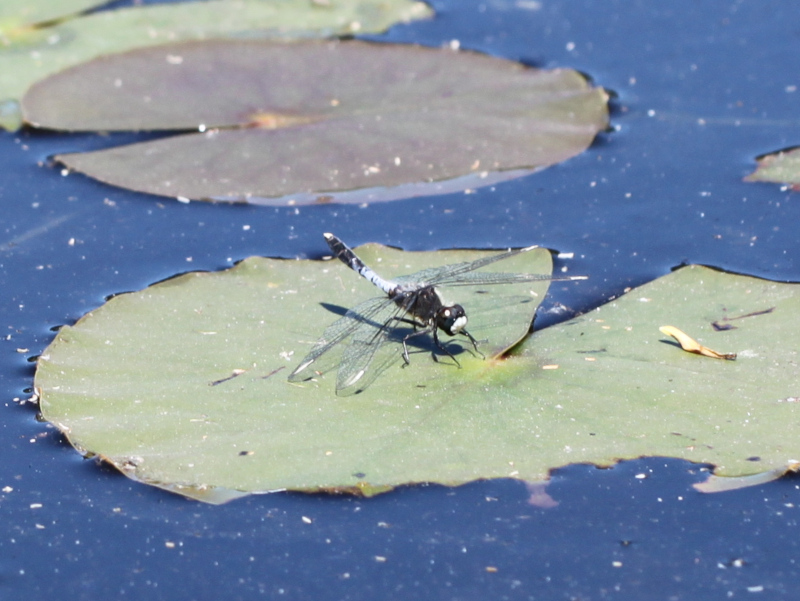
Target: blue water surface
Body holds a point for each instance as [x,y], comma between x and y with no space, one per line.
[700,89]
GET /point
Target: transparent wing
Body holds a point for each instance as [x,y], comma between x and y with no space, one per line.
[483,277]
[362,315]
[368,355]
[463,274]
[454,273]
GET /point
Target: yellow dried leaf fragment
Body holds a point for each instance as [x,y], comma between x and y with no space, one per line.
[691,345]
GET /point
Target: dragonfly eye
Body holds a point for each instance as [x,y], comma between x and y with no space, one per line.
[451,319]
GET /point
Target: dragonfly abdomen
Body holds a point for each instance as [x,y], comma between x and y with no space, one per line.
[349,258]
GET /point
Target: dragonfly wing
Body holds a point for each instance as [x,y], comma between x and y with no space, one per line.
[368,355]
[360,315]
[455,271]
[489,277]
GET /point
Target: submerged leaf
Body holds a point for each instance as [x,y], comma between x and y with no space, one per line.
[183,384]
[781,168]
[34,53]
[315,117]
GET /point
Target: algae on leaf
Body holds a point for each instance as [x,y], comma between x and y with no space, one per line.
[183,385]
[314,118]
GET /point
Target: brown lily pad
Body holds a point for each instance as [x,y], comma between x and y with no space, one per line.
[314,118]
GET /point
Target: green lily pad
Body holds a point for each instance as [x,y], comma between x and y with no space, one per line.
[184,385]
[26,24]
[629,389]
[32,53]
[171,407]
[313,118]
[31,12]
[10,115]
[782,167]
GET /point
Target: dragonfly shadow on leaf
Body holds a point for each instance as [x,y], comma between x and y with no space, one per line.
[335,309]
[420,344]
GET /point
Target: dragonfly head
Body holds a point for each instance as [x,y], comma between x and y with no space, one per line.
[451,319]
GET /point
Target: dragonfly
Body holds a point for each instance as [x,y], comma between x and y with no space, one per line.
[413,300]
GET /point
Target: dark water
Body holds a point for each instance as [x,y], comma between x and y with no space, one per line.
[701,89]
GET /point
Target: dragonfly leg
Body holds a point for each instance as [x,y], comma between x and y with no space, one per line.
[474,343]
[417,333]
[443,348]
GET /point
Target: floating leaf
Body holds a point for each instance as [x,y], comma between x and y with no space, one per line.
[781,168]
[33,53]
[10,115]
[721,484]
[691,345]
[38,11]
[183,385]
[26,26]
[314,117]
[624,387]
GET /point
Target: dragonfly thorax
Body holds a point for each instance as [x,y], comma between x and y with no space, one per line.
[430,310]
[427,307]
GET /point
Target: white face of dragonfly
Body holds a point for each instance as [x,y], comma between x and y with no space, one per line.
[459,323]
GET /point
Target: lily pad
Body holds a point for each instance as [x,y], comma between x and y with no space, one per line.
[625,386]
[32,53]
[30,12]
[782,167]
[172,407]
[314,117]
[183,385]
